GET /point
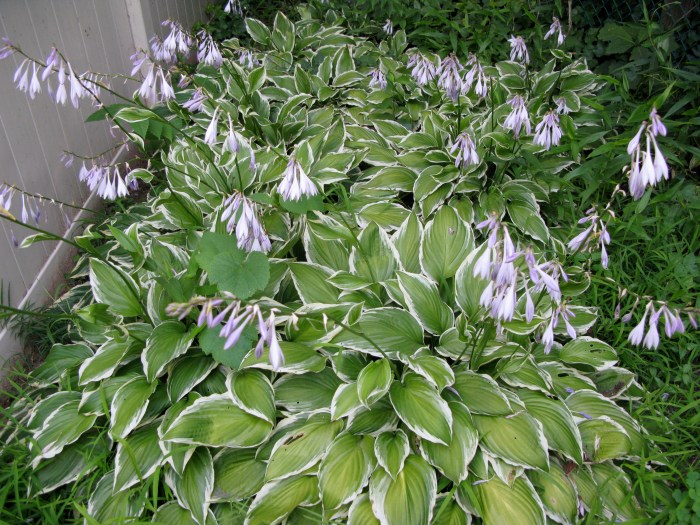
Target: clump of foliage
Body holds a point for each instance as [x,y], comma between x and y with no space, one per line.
[320,314]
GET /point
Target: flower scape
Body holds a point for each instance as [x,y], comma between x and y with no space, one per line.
[341,301]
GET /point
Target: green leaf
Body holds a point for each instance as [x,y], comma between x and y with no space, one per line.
[390,329]
[391,450]
[105,361]
[419,405]
[168,340]
[283,33]
[604,439]
[138,456]
[115,288]
[407,499]
[298,359]
[517,439]
[258,31]
[238,272]
[373,258]
[424,302]
[500,503]
[129,405]
[312,283]
[361,512]
[187,373]
[557,422]
[238,475]
[215,421]
[277,499]
[62,426]
[194,488]
[173,514]
[481,394]
[302,448]
[588,351]
[453,459]
[407,243]
[345,470]
[106,506]
[468,288]
[557,493]
[306,392]
[434,369]
[213,344]
[61,359]
[449,512]
[346,401]
[252,391]
[445,244]
[374,381]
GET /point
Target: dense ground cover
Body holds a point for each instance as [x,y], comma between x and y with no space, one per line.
[375,291]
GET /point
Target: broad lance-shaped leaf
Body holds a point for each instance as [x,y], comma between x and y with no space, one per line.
[588,351]
[252,391]
[374,258]
[173,514]
[361,512]
[481,394]
[604,439]
[277,499]
[193,489]
[238,474]
[433,368]
[468,289]
[390,329]
[448,512]
[407,243]
[391,450]
[167,341]
[500,504]
[419,405]
[106,506]
[557,422]
[61,359]
[445,244]
[345,470]
[115,288]
[557,492]
[216,421]
[137,457]
[345,401]
[453,459]
[105,361]
[374,381]
[187,373]
[302,448]
[312,283]
[129,405]
[306,392]
[516,439]
[409,498]
[62,427]
[424,302]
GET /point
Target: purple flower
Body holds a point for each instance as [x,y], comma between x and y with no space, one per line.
[555,28]
[196,101]
[423,69]
[547,132]
[518,117]
[296,183]
[449,78]
[637,334]
[518,50]
[466,151]
[378,79]
[242,215]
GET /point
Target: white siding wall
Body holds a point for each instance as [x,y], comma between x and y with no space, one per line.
[98,35]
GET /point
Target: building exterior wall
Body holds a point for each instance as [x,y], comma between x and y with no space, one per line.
[97,35]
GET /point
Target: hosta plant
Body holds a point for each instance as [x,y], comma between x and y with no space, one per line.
[341,301]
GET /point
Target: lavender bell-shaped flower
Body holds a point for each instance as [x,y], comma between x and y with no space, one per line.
[449,77]
[295,183]
[212,130]
[547,132]
[651,339]
[423,70]
[518,118]
[555,28]
[208,51]
[637,334]
[466,151]
[388,27]
[378,79]
[518,50]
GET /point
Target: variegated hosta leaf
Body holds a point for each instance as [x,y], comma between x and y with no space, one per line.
[105,505]
[390,329]
[106,360]
[424,301]
[188,372]
[361,512]
[606,491]
[436,370]
[61,427]
[302,448]
[129,405]
[407,243]
[137,457]
[252,391]
[168,340]
[481,394]
[445,244]
[448,512]
[216,421]
[173,514]
[391,450]
[373,258]
[557,492]
[517,439]
[419,405]
[604,439]
[499,503]
[345,470]
[306,392]
[194,487]
[557,422]
[311,281]
[374,381]
[61,359]
[378,418]
[452,460]
[589,404]
[238,475]
[345,401]
[278,498]
[298,359]
[409,498]
[588,351]
[115,288]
